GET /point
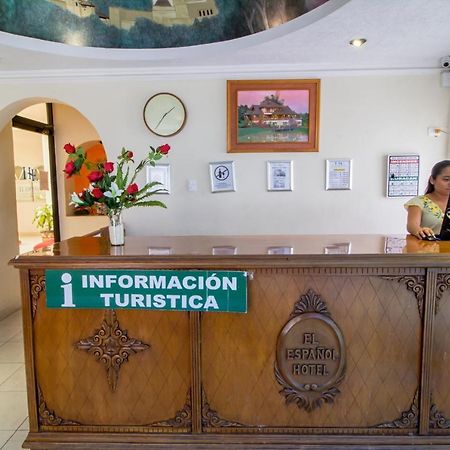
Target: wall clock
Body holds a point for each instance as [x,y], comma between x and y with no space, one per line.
[164,114]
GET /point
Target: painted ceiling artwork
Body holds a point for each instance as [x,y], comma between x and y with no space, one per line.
[146,23]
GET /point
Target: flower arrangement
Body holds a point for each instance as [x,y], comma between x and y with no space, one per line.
[113,186]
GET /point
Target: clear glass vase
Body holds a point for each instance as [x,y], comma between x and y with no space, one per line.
[116,230]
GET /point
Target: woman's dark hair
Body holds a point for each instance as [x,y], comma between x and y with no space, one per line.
[435,171]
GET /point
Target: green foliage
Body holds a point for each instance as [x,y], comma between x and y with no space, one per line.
[242,111]
[43,218]
[305,120]
[275,98]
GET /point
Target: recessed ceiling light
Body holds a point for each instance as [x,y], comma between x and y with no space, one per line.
[358,42]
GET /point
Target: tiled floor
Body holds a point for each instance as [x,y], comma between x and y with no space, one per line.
[13,395]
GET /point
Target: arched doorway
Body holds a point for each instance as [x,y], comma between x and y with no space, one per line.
[35,177]
[69,126]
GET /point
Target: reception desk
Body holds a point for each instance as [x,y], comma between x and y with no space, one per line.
[346,342]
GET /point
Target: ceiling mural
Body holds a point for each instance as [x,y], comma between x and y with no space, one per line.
[146,23]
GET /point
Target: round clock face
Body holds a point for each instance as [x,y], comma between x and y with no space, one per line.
[164,114]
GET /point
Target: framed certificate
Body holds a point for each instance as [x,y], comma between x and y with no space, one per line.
[402,175]
[338,174]
[161,174]
[222,176]
[279,176]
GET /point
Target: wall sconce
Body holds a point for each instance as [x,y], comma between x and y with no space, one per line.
[435,132]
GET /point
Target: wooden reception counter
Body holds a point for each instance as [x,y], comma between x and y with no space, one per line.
[346,342]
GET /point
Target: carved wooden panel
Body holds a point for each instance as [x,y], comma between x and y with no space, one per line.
[443,283]
[49,417]
[152,384]
[440,368]
[408,419]
[310,361]
[111,346]
[380,322]
[414,283]
[37,288]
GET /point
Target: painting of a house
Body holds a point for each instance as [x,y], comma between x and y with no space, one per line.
[280,116]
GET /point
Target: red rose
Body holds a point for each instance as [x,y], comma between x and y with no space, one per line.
[164,149]
[97,193]
[94,176]
[69,148]
[109,167]
[129,154]
[69,169]
[132,189]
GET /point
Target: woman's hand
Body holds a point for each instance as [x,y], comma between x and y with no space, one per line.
[414,221]
[423,232]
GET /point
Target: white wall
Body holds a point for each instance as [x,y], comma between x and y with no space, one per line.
[362,117]
[9,243]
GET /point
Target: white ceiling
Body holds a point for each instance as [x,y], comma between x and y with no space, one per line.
[401,35]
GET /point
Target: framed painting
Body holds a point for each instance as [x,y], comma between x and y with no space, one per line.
[273,115]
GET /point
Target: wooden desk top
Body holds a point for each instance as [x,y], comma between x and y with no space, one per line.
[257,251]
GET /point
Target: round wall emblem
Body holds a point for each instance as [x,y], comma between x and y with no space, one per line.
[310,358]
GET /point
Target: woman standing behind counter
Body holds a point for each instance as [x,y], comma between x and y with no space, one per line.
[426,212]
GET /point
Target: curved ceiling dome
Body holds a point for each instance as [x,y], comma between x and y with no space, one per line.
[147,24]
[310,45]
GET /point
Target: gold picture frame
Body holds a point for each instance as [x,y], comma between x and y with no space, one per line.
[273,115]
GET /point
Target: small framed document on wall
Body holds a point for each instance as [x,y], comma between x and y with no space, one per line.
[222,176]
[402,175]
[161,174]
[279,176]
[338,174]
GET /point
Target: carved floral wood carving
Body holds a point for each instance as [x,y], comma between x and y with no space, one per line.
[111,346]
[443,282]
[414,283]
[437,419]
[211,419]
[37,286]
[408,419]
[48,417]
[182,419]
[310,361]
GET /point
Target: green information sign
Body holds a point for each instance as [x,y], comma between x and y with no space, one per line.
[167,290]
